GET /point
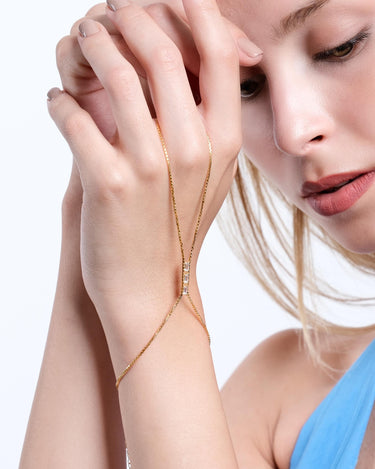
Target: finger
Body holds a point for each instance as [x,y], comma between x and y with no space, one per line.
[121,82]
[170,89]
[173,25]
[96,13]
[98,9]
[77,127]
[76,74]
[219,70]
[79,79]
[69,46]
[249,53]
[168,20]
[161,12]
[178,30]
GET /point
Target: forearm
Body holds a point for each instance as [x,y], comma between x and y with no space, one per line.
[75,419]
[170,402]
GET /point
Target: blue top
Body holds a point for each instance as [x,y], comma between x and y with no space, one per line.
[332,436]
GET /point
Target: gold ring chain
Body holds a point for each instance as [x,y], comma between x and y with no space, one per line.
[186,265]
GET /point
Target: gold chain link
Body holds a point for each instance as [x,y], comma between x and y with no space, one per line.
[185,264]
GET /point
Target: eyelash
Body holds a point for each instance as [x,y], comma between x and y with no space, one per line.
[327,55]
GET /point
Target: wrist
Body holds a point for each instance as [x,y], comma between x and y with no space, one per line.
[130,341]
[132,319]
[70,286]
[139,295]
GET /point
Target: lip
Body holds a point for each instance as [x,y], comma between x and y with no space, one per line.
[354,186]
[310,188]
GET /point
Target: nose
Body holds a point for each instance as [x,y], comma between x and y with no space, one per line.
[301,121]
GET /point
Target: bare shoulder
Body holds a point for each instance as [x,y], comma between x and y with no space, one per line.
[253,396]
[276,388]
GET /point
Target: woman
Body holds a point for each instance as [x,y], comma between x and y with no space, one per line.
[307,108]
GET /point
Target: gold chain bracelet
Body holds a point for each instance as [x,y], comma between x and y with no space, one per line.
[186,263]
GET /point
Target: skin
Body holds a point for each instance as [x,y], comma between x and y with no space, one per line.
[303,99]
[107,199]
[257,417]
[74,425]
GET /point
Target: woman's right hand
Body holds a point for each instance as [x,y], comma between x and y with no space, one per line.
[80,81]
[115,247]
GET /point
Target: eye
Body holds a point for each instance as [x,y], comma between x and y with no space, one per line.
[251,87]
[343,51]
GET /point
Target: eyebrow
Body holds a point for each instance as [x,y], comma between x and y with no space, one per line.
[298,17]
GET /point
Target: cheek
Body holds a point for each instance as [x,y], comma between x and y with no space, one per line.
[259,146]
[363,114]
[354,90]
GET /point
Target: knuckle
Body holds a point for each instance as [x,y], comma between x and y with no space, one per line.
[168,57]
[115,184]
[208,9]
[73,125]
[196,158]
[227,52]
[121,80]
[159,10]
[63,48]
[130,15]
[152,170]
[111,186]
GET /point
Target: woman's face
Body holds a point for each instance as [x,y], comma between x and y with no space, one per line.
[309,108]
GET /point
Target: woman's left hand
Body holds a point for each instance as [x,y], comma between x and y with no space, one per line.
[129,246]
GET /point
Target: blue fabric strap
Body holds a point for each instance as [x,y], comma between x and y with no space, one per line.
[332,437]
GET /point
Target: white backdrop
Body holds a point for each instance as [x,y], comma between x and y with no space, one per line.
[35,165]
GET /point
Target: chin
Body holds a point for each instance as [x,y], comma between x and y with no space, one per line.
[354,230]
[360,248]
[358,241]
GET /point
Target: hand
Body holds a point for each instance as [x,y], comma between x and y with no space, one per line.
[81,82]
[129,246]
[79,79]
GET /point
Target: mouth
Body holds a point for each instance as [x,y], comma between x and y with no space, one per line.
[337,193]
[329,184]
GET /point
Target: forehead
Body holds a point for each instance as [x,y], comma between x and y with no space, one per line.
[260,14]
[273,18]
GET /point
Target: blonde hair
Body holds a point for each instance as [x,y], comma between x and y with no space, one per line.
[253,208]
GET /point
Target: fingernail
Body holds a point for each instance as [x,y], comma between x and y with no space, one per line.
[117,4]
[249,48]
[88,28]
[53,93]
